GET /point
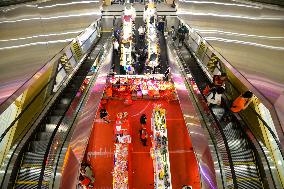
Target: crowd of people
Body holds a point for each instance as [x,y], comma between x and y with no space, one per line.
[214,93]
[139,53]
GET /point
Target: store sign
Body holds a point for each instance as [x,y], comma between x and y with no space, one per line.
[201,49]
[212,63]
[65,63]
[76,51]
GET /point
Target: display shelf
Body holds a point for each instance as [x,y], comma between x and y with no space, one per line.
[159,151]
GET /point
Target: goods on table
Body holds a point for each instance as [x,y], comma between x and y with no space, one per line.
[120,171]
[159,151]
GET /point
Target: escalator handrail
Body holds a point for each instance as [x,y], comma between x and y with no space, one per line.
[220,130]
[257,114]
[8,101]
[248,129]
[243,77]
[44,87]
[24,132]
[75,116]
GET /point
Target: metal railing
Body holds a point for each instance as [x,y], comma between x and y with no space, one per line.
[55,74]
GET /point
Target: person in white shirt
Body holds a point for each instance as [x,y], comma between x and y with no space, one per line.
[141,32]
[215,96]
[115,46]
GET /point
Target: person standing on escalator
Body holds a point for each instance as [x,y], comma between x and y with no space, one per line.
[242,102]
[116,47]
[141,32]
[182,32]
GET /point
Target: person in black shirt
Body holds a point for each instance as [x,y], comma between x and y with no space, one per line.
[143,120]
[104,115]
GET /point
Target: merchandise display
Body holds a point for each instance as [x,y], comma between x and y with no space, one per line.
[150,18]
[128,26]
[120,170]
[139,85]
[122,133]
[159,151]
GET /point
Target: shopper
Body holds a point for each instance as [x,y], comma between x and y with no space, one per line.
[186,187]
[215,97]
[114,21]
[85,182]
[208,88]
[241,102]
[86,171]
[173,33]
[143,120]
[116,47]
[219,80]
[141,32]
[182,32]
[143,136]
[104,115]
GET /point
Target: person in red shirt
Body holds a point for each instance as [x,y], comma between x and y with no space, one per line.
[241,102]
[144,136]
[219,80]
[85,182]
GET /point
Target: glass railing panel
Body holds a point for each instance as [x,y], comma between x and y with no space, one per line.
[38,92]
[213,65]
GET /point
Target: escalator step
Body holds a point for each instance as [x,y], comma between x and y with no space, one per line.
[49,127]
[53,119]
[44,136]
[58,111]
[65,101]
[38,146]
[33,158]
[29,185]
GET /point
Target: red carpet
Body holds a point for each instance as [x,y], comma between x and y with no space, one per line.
[184,169]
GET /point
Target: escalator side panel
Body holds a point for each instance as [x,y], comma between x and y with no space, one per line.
[199,140]
[83,126]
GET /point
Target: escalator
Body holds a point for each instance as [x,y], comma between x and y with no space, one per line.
[241,159]
[31,169]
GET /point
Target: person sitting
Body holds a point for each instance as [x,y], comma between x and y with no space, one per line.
[215,97]
[241,102]
[104,115]
[219,80]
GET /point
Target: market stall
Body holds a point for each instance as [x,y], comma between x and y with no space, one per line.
[140,86]
[128,26]
[122,133]
[159,151]
[150,18]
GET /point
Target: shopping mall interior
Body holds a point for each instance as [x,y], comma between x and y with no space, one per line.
[142,94]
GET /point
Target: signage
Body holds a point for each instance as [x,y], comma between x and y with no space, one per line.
[212,63]
[76,51]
